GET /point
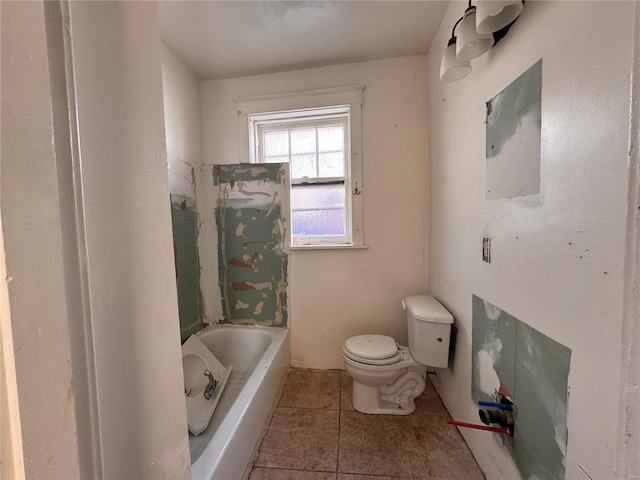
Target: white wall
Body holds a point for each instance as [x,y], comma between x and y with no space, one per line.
[87,237]
[339,293]
[134,308]
[41,429]
[557,258]
[181,94]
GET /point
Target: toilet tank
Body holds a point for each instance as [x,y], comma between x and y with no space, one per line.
[429,330]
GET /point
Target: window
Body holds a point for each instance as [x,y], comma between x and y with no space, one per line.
[316,144]
[318,133]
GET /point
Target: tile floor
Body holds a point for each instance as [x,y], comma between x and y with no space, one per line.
[315,434]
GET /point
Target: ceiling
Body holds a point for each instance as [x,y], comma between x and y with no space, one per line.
[226,39]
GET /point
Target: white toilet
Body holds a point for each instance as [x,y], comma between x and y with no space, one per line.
[388,377]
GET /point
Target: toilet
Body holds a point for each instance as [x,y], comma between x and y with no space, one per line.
[387,377]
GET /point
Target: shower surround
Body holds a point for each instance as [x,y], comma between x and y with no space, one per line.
[251,217]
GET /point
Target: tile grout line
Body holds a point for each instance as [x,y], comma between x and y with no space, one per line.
[295,469]
[343,397]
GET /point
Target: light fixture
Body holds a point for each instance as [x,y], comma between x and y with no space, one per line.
[494,15]
[481,27]
[470,43]
[451,68]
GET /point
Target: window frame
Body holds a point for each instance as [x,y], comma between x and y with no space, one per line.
[316,118]
[278,107]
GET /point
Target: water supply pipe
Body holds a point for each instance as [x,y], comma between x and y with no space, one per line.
[502,406]
[500,430]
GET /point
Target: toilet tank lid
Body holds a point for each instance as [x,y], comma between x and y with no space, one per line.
[427,309]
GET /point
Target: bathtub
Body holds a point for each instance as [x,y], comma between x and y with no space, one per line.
[260,357]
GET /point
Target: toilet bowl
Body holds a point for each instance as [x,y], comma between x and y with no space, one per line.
[385,385]
[387,377]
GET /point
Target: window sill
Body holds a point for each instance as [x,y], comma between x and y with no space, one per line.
[329,247]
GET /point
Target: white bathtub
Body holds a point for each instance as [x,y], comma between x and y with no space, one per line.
[260,358]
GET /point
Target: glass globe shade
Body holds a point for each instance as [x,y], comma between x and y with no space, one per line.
[470,44]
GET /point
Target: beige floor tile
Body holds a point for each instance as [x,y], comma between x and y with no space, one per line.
[446,455]
[311,389]
[346,387]
[302,443]
[429,401]
[280,474]
[378,445]
[303,439]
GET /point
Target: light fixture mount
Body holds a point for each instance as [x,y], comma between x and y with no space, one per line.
[494,15]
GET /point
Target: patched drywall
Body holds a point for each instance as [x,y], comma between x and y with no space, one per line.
[557,257]
[531,370]
[251,216]
[513,138]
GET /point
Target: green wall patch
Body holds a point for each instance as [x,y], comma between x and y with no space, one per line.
[184,218]
[251,220]
[513,129]
[512,358]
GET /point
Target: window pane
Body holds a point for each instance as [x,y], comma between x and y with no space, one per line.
[303,153]
[276,146]
[303,166]
[303,140]
[331,164]
[317,209]
[331,151]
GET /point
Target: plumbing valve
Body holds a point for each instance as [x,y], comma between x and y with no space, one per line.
[497,413]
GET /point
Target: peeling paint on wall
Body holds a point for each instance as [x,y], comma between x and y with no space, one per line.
[250,216]
[184,217]
[246,172]
[532,370]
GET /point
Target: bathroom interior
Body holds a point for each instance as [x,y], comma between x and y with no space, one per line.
[538,274]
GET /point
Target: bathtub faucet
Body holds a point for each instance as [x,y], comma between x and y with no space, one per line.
[211,387]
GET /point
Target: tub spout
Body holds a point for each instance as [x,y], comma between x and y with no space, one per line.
[213,383]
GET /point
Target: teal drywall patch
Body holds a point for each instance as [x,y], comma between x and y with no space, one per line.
[542,369]
[511,357]
[252,257]
[184,218]
[513,132]
[505,111]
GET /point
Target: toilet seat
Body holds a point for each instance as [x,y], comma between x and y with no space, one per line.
[372,350]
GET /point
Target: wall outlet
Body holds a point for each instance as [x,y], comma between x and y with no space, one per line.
[486,249]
